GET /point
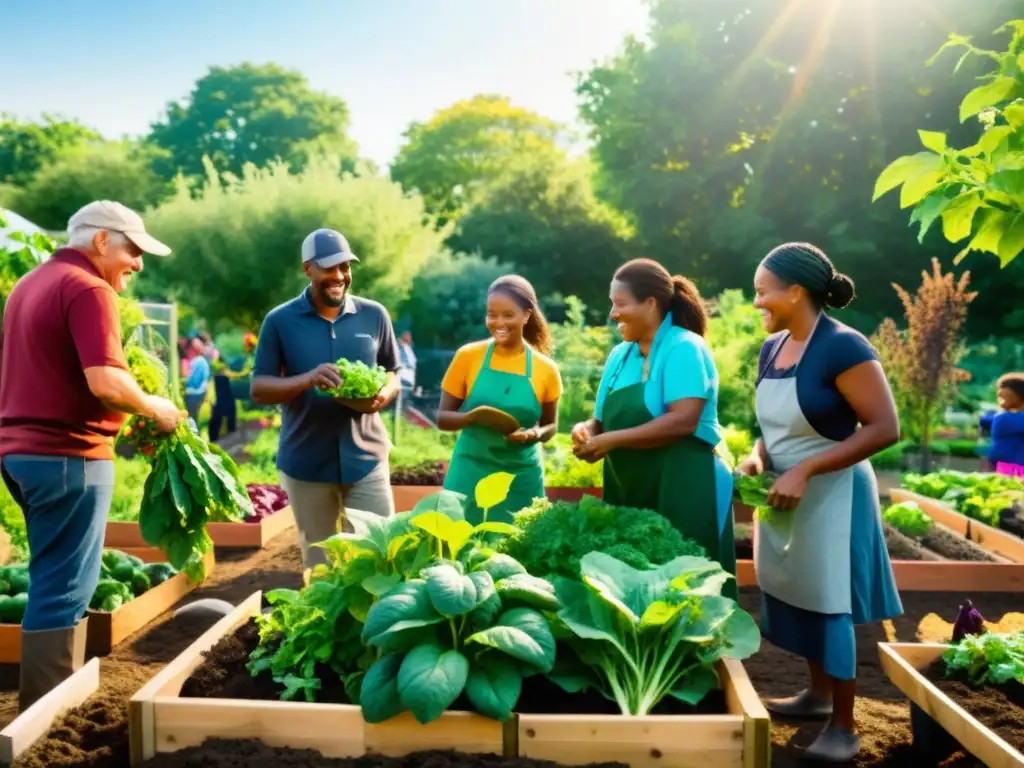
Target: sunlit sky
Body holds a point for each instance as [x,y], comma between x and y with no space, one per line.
[115,64]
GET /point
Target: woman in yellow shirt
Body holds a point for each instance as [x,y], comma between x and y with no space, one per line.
[510,372]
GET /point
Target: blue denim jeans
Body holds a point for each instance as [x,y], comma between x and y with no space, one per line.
[65,501]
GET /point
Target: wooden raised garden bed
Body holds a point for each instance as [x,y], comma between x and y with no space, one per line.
[999,542]
[739,739]
[122,535]
[905,665]
[105,630]
[34,723]
[934,574]
[161,719]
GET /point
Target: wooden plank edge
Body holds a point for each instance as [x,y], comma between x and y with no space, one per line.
[35,722]
[927,576]
[940,707]
[993,540]
[757,724]
[141,711]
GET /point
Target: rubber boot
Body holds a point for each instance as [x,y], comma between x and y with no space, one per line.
[48,658]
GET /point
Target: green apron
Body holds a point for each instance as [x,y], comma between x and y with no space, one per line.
[676,480]
[481,451]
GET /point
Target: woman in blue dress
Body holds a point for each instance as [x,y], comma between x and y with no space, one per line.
[824,408]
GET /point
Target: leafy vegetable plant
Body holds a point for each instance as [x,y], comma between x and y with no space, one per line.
[989,659]
[641,635]
[909,519]
[413,611]
[359,381]
[552,537]
[753,491]
[191,481]
[980,495]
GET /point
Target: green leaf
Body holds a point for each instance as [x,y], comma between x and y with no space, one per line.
[404,635]
[993,139]
[702,625]
[985,96]
[585,614]
[1014,113]
[917,188]
[1009,182]
[409,600]
[430,679]
[506,529]
[494,685]
[378,695]
[501,566]
[904,168]
[493,489]
[1012,241]
[933,140]
[483,615]
[448,503]
[958,217]
[179,490]
[695,686]
[453,593]
[535,592]
[659,613]
[993,224]
[928,211]
[742,634]
[523,634]
[380,584]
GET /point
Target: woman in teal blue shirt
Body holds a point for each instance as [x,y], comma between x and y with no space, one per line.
[655,422]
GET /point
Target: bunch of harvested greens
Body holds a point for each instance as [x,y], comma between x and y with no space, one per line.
[190,484]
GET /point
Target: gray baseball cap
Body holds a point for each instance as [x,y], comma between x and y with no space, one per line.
[106,214]
[326,248]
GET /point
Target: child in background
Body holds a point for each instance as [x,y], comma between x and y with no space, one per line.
[1007,427]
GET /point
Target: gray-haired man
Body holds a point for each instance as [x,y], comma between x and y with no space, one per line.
[330,456]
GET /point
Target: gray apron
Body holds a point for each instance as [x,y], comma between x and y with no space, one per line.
[802,557]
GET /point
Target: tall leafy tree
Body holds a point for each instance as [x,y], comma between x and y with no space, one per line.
[25,147]
[253,114]
[540,215]
[744,125]
[466,145]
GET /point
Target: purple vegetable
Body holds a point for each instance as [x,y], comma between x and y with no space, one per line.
[969,621]
[266,500]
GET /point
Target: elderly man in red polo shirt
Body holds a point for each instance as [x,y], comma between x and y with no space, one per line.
[64,391]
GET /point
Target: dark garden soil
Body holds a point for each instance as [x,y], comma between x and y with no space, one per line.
[223,675]
[217,753]
[999,708]
[903,547]
[430,473]
[95,734]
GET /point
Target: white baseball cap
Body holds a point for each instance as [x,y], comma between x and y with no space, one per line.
[106,214]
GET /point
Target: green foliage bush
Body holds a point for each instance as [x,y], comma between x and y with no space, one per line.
[237,242]
[735,335]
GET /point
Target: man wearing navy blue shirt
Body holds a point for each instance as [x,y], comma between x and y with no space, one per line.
[330,455]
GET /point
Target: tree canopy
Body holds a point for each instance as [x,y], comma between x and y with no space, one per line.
[252,114]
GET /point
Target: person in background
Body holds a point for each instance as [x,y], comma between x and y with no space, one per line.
[824,408]
[407,373]
[332,454]
[197,382]
[225,411]
[65,389]
[655,420]
[511,372]
[1006,428]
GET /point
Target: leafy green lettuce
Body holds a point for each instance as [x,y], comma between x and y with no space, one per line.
[989,659]
[637,636]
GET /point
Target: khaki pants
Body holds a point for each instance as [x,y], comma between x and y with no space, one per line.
[320,507]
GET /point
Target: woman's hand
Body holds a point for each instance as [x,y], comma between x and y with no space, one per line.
[581,434]
[595,448]
[751,466]
[524,436]
[789,489]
